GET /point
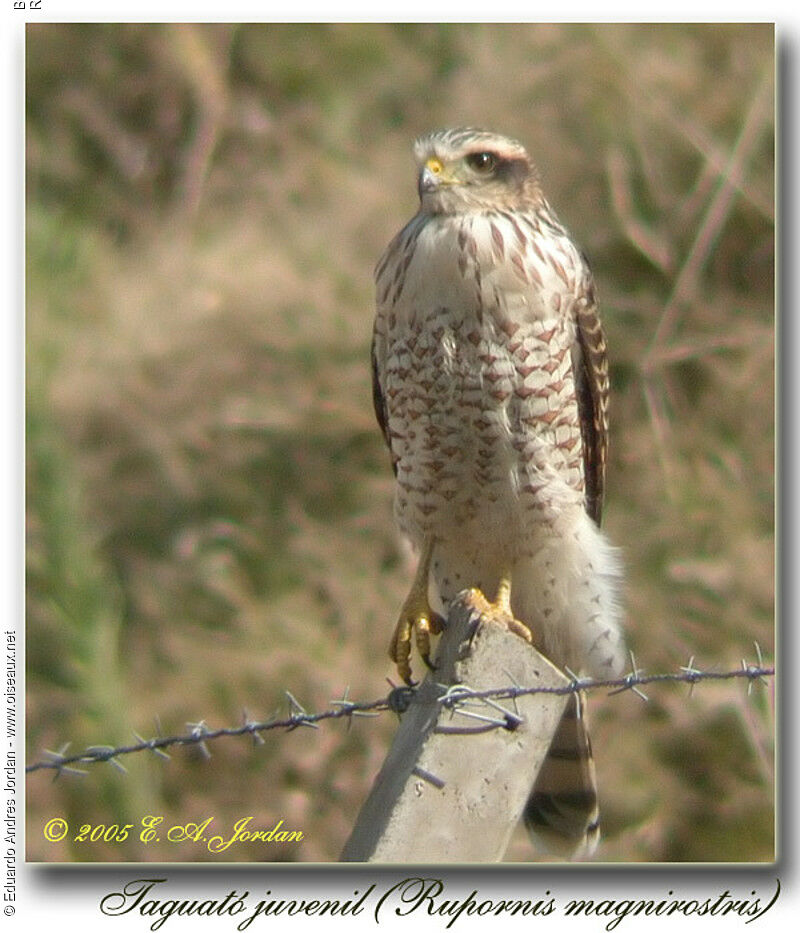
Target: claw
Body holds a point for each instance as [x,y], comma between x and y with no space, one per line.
[417,618]
[499,612]
[424,627]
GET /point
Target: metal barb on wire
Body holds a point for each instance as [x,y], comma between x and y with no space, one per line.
[631,680]
[199,730]
[68,769]
[578,683]
[106,753]
[693,674]
[303,719]
[151,745]
[250,726]
[758,666]
[752,672]
[349,708]
[746,669]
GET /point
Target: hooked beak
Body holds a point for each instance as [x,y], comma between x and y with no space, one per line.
[432,176]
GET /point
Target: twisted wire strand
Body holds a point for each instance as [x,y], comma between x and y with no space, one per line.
[397,700]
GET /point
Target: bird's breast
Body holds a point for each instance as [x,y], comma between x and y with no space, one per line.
[478,382]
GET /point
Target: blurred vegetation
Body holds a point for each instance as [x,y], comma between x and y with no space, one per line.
[209,500]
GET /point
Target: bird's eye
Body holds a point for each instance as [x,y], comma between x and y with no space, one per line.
[483,162]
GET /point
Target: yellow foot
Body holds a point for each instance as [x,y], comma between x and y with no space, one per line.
[417,618]
[499,612]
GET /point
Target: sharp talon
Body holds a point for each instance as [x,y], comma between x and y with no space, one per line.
[417,620]
[519,628]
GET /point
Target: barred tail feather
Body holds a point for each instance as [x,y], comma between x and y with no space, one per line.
[562,814]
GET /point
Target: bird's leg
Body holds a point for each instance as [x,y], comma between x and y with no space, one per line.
[416,617]
[499,612]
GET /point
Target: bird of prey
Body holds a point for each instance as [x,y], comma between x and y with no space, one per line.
[490,383]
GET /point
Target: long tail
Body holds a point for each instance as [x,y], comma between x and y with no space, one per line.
[562,815]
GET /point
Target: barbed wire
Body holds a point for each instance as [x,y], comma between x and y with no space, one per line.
[459,698]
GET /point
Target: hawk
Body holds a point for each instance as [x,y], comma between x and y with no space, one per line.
[490,384]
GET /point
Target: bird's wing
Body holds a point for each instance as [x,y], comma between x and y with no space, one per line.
[378,398]
[590,365]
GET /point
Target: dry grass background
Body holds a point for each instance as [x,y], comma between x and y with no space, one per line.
[209,500]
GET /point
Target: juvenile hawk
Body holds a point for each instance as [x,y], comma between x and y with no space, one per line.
[490,384]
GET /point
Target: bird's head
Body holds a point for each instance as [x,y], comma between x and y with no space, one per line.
[470,169]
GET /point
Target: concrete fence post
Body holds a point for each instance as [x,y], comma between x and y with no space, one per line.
[452,787]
